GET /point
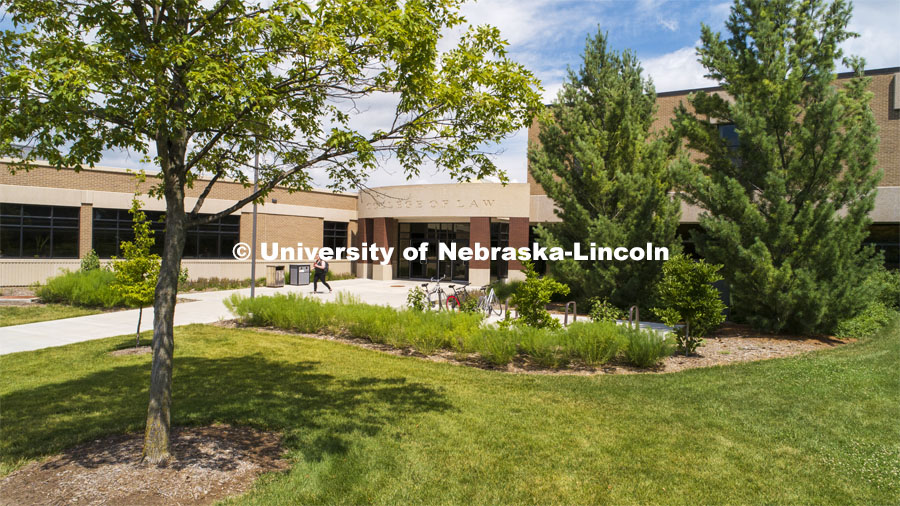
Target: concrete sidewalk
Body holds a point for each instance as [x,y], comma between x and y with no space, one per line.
[201,307]
[205,307]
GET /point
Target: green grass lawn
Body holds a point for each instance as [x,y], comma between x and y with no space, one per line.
[366,427]
[18,315]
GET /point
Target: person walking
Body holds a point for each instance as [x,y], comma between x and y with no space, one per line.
[321,268]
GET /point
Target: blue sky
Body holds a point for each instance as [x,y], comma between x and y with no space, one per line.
[548,36]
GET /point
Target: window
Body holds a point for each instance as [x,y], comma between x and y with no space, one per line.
[214,240]
[728,132]
[886,238]
[335,235]
[38,231]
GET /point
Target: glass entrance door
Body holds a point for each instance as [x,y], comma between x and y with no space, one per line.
[431,235]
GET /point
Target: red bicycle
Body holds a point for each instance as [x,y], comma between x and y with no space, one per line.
[455,300]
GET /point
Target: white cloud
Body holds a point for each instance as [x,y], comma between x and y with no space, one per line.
[668,24]
[677,70]
[875,22]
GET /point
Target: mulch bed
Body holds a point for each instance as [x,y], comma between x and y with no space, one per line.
[140,350]
[210,463]
[730,344]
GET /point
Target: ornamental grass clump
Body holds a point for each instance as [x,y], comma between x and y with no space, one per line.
[646,347]
[495,345]
[595,343]
[544,346]
[90,288]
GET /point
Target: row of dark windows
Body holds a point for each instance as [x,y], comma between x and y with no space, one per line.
[28,231]
[38,231]
[214,240]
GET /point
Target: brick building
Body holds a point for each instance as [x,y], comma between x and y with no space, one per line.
[49,219]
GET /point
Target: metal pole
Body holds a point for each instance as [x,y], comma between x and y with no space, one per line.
[253,235]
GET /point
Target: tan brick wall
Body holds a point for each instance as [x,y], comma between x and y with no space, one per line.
[287,231]
[116,181]
[85,229]
[882,86]
[887,118]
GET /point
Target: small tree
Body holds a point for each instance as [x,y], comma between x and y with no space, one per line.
[687,295]
[532,297]
[138,270]
[90,262]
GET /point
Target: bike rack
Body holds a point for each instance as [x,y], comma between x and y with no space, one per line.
[506,311]
[574,307]
[634,317]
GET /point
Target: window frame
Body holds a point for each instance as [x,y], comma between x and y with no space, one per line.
[56,225]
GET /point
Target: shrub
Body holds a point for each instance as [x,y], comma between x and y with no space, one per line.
[505,290]
[470,305]
[90,262]
[532,297]
[415,299]
[885,286]
[603,311]
[867,323]
[595,343]
[91,288]
[686,294]
[331,276]
[646,347]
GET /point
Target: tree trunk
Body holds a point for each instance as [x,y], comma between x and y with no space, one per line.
[156,435]
[137,336]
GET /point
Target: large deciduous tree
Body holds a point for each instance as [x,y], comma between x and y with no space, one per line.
[208,84]
[787,198]
[607,173]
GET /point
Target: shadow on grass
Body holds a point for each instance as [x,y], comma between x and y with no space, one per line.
[317,413]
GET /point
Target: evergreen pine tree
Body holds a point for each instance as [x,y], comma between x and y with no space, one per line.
[607,174]
[786,202]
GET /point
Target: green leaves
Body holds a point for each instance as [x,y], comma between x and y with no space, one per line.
[138,269]
[686,295]
[533,295]
[210,85]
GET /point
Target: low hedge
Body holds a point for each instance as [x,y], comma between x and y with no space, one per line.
[591,344]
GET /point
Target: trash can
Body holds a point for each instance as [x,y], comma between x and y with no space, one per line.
[275,276]
[299,274]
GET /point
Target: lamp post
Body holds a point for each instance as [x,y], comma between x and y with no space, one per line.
[253,235]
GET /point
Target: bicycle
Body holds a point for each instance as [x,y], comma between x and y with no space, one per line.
[436,296]
[489,302]
[455,300]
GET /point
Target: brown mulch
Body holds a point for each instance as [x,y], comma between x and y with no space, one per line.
[730,344]
[140,350]
[211,463]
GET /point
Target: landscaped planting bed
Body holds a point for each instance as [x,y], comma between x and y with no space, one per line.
[583,344]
